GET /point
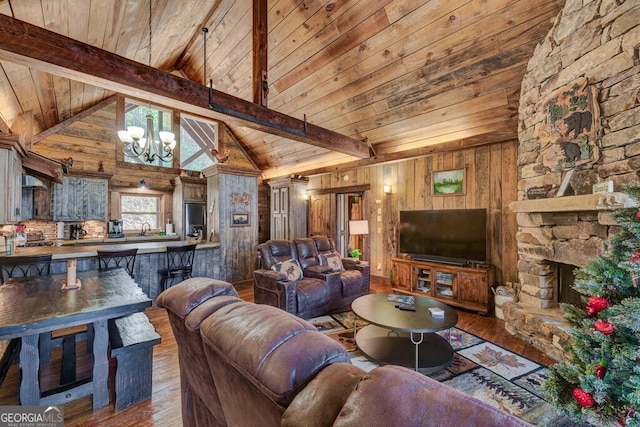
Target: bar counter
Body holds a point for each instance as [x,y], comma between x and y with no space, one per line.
[150,260]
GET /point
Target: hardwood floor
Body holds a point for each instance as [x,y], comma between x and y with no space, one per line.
[163,409]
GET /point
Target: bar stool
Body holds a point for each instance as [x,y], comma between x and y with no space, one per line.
[113,259]
[23,266]
[179,263]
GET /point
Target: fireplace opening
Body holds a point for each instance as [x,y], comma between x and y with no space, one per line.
[566,293]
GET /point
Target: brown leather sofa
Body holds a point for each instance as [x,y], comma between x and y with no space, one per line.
[265,367]
[319,290]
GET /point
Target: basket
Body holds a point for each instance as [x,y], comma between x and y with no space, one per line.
[502,294]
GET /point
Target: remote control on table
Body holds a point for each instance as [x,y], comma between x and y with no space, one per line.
[406,307]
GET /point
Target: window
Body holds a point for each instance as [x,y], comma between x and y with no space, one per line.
[136,115]
[197,138]
[136,210]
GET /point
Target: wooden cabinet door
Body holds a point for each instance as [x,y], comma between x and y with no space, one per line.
[68,199]
[194,192]
[96,198]
[473,289]
[15,187]
[42,201]
[26,212]
[11,187]
[402,275]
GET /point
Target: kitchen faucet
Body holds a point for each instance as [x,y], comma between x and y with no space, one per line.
[143,231]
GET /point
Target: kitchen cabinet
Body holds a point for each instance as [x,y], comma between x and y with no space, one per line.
[195,192]
[43,201]
[11,178]
[37,202]
[81,199]
[187,189]
[466,287]
[288,208]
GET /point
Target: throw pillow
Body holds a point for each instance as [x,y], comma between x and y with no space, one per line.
[291,268]
[333,260]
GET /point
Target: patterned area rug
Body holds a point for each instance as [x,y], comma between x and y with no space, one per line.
[479,368]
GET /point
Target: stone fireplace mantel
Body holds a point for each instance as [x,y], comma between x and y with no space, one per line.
[583,203]
[553,232]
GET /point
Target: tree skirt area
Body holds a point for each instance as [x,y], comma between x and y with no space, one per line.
[479,368]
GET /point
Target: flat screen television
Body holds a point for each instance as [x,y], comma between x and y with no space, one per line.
[455,236]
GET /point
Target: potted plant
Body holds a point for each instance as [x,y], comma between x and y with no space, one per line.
[355,253]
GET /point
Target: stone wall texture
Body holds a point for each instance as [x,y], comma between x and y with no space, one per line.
[599,40]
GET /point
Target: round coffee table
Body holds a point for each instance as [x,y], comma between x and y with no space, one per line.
[394,333]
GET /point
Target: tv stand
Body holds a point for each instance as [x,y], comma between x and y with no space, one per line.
[459,286]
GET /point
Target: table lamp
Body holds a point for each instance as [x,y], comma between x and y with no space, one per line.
[358,228]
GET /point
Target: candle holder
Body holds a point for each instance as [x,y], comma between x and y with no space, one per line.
[71,282]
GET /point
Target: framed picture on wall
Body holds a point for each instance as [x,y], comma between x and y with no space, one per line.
[448,182]
[239,219]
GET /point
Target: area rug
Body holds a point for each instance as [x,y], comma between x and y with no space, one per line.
[481,369]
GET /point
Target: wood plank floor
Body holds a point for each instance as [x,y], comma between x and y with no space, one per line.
[163,409]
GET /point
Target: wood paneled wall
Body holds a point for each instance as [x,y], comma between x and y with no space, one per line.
[491,183]
[90,138]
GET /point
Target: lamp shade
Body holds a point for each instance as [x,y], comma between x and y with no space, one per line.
[357,227]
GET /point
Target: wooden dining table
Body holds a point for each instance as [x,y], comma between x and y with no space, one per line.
[30,306]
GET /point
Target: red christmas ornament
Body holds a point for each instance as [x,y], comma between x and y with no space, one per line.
[601,371]
[635,257]
[638,214]
[596,305]
[604,327]
[583,398]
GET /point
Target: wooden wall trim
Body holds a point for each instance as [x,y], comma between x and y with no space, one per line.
[335,190]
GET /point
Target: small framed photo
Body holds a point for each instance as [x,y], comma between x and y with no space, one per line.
[449,182]
[239,219]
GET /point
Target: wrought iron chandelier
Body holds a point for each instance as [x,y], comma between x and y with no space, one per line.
[149,149]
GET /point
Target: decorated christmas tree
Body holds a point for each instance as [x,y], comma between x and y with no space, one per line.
[600,381]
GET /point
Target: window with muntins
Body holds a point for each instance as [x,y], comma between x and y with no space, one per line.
[197,138]
[137,210]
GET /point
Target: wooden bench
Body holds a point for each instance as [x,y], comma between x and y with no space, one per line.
[132,339]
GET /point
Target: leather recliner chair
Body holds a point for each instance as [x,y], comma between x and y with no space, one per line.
[353,280]
[306,297]
[187,306]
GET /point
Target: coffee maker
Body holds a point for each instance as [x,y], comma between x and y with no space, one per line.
[76,231]
[115,228]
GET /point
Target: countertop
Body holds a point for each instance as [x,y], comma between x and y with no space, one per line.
[85,250]
[147,238]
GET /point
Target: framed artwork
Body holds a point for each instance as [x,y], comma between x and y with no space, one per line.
[239,219]
[449,182]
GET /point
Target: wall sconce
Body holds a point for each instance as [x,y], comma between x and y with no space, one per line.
[387,189]
[305,196]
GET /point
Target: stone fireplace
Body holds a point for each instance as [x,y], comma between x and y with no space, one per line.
[555,237]
[598,41]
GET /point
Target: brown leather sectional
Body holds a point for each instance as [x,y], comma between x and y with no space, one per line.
[320,289]
[245,364]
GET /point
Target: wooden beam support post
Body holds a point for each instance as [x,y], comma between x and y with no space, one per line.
[260,49]
[44,50]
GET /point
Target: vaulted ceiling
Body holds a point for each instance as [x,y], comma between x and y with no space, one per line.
[407,77]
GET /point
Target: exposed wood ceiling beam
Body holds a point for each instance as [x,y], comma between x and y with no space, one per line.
[40,49]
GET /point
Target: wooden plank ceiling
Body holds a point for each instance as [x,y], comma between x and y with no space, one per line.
[409,77]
